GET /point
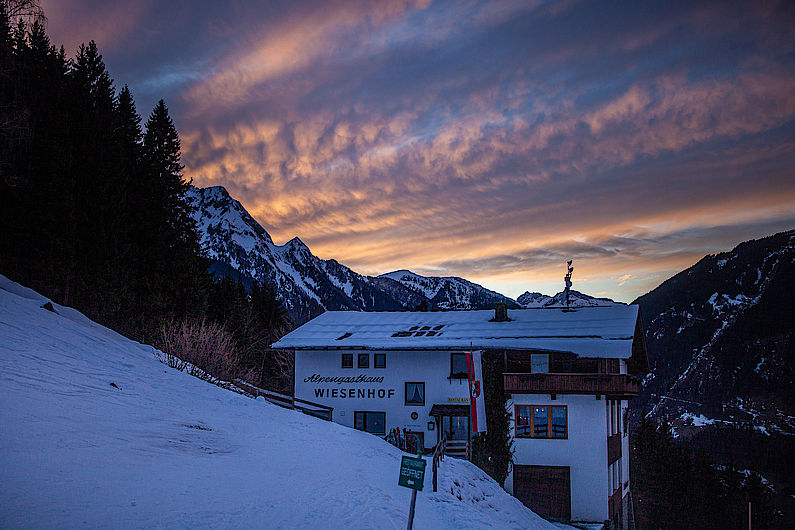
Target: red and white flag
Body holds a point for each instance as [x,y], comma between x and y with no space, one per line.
[476,398]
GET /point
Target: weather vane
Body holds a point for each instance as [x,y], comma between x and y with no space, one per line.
[567,279]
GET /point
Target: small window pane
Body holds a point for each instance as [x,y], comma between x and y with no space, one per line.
[347,360]
[558,422]
[364,360]
[540,420]
[376,422]
[523,421]
[459,428]
[539,363]
[372,422]
[379,360]
[458,366]
[415,393]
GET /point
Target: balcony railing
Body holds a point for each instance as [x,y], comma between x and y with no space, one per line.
[612,385]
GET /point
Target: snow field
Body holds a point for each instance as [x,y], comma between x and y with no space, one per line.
[163,449]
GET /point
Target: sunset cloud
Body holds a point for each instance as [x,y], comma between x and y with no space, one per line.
[488,140]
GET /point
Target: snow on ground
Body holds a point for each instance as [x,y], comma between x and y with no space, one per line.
[95,432]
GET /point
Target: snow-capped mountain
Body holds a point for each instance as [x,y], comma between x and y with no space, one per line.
[307,284]
[449,292]
[576,299]
[721,343]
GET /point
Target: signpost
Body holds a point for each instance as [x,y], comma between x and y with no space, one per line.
[412,475]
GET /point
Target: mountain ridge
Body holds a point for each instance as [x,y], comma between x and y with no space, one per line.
[240,247]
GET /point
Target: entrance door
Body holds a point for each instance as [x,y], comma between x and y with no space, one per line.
[544,489]
[456,428]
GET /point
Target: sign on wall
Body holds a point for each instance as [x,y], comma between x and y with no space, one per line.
[340,392]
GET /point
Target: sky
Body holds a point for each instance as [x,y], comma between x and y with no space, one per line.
[488,140]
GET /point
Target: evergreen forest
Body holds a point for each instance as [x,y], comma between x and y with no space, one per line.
[92,209]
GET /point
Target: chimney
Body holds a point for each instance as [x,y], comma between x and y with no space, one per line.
[501,313]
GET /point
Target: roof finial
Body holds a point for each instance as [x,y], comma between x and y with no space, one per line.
[567,279]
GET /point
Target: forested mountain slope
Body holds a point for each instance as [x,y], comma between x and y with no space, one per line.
[721,342]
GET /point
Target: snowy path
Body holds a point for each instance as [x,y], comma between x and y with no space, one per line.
[167,450]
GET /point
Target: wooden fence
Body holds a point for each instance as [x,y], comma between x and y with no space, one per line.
[289,402]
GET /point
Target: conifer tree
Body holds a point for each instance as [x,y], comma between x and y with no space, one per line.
[173,241]
[90,73]
[128,127]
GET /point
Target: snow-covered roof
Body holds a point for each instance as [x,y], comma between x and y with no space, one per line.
[587,331]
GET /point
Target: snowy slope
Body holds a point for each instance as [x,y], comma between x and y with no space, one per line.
[723,328]
[307,285]
[576,299]
[449,292]
[95,432]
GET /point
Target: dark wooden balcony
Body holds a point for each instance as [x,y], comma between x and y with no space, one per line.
[616,386]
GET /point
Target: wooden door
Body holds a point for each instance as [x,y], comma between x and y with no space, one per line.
[544,489]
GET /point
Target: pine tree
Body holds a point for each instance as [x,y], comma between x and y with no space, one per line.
[492,451]
[128,128]
[172,239]
[90,73]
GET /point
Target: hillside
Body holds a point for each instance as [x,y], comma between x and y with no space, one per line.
[308,285]
[721,343]
[449,292]
[95,432]
[576,299]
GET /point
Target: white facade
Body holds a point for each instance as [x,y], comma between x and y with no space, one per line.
[563,471]
[379,389]
[584,451]
[590,422]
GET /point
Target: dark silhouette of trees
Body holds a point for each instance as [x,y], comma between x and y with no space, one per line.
[675,487]
[92,209]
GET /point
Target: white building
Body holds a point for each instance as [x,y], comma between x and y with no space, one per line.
[566,374]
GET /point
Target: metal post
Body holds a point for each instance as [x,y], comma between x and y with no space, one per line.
[749,515]
[411,508]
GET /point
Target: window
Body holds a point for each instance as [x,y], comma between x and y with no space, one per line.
[415,393]
[364,360]
[541,421]
[458,366]
[558,425]
[372,422]
[539,363]
[347,360]
[379,360]
[614,416]
[625,422]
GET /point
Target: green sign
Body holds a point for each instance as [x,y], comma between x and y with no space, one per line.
[412,473]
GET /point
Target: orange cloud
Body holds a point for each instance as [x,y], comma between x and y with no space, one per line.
[109,24]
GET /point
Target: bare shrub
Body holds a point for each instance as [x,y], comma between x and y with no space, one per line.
[203,349]
[280,373]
